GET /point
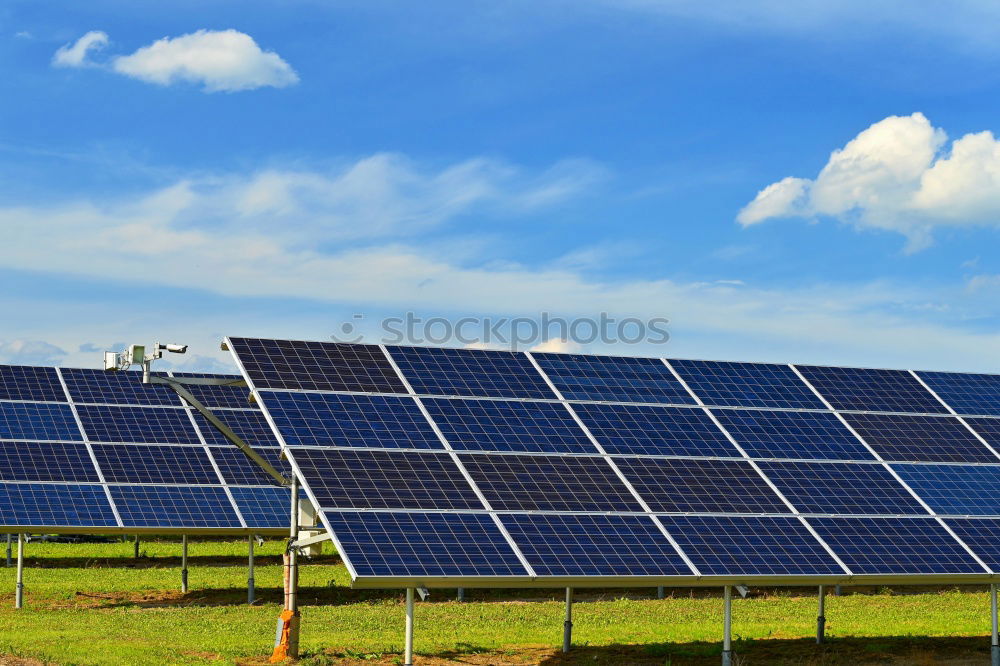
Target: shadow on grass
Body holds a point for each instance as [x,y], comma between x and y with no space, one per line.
[166,562]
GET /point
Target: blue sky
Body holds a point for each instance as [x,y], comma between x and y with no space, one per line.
[481,158]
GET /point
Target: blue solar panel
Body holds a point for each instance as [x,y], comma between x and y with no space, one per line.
[864,389]
[955,489]
[237,469]
[658,431]
[42,421]
[613,379]
[370,421]
[316,366]
[54,505]
[137,424]
[470,372]
[750,546]
[982,536]
[589,545]
[548,483]
[424,544]
[121,463]
[56,461]
[502,425]
[895,546]
[217,396]
[908,438]
[715,486]
[766,434]
[175,506]
[25,382]
[845,488]
[250,426]
[966,393]
[263,507]
[988,429]
[722,383]
[116,388]
[341,478]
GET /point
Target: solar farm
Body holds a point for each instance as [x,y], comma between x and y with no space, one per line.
[425,470]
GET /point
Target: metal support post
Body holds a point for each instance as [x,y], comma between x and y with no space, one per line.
[461,594]
[727,627]
[251,588]
[9,540]
[821,618]
[135,547]
[286,644]
[995,644]
[184,564]
[836,590]
[408,649]
[568,623]
[661,592]
[19,594]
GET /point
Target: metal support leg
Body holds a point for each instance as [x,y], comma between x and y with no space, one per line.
[286,644]
[19,594]
[461,594]
[251,587]
[995,644]
[408,650]
[9,540]
[661,592]
[821,618]
[836,590]
[184,564]
[727,627]
[135,547]
[568,623]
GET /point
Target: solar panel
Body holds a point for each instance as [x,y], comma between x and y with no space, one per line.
[982,536]
[766,385]
[155,464]
[895,546]
[709,486]
[23,382]
[114,388]
[594,545]
[750,546]
[55,505]
[248,425]
[238,471]
[470,372]
[175,506]
[865,389]
[505,425]
[263,507]
[955,489]
[988,429]
[841,487]
[46,461]
[966,393]
[908,438]
[802,435]
[232,397]
[654,430]
[367,421]
[613,379]
[38,421]
[137,424]
[424,545]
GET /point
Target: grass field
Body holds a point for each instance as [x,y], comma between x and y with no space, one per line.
[96,604]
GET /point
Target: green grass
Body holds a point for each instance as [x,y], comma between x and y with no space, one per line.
[94,604]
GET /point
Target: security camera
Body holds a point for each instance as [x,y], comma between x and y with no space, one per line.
[175,349]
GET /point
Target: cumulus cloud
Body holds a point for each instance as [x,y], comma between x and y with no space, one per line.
[30,352]
[898,175]
[75,54]
[559,346]
[217,60]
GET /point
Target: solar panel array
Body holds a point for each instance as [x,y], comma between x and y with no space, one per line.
[443,466]
[92,451]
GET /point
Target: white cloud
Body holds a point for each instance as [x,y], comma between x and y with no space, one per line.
[30,352]
[559,346]
[75,54]
[221,61]
[897,175]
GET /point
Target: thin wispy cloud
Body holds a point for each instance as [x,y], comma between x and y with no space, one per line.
[78,53]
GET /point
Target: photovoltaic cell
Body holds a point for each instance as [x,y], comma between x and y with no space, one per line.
[137,424]
[175,506]
[966,393]
[713,486]
[115,388]
[503,425]
[594,545]
[908,438]
[548,483]
[773,434]
[317,366]
[982,535]
[653,430]
[613,378]
[263,507]
[955,489]
[750,546]
[424,544]
[895,546]
[341,478]
[217,396]
[988,429]
[839,487]
[24,382]
[865,389]
[237,469]
[470,372]
[121,463]
[723,383]
[36,461]
[54,505]
[42,421]
[249,425]
[370,421]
